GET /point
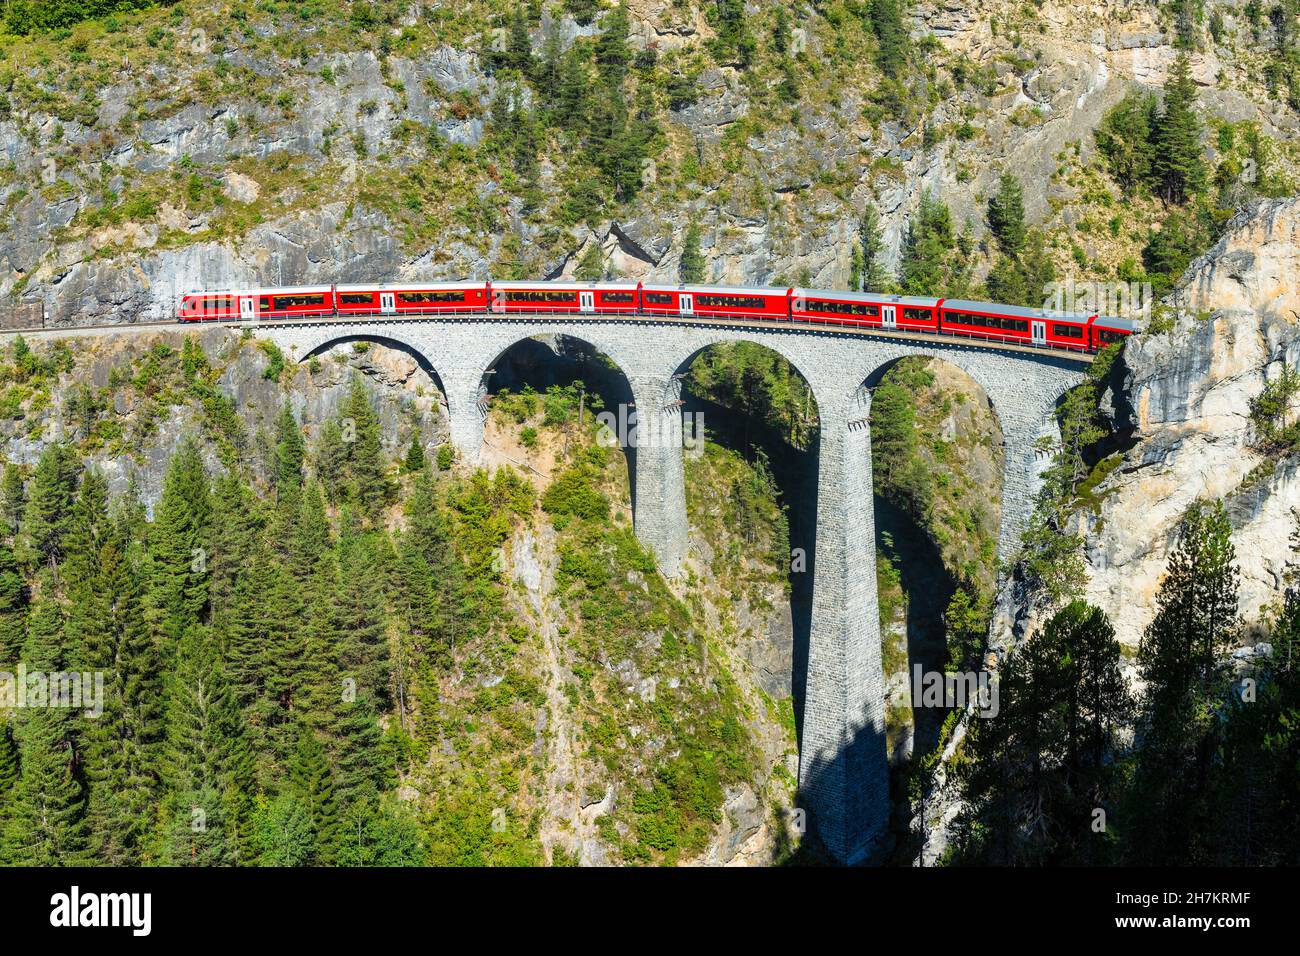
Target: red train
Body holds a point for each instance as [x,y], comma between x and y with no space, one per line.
[980,321]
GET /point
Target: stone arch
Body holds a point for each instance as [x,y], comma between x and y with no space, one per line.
[595,343]
[308,341]
[1023,392]
[796,476]
[390,341]
[624,395]
[927,580]
[783,343]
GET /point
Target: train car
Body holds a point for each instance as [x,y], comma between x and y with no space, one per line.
[618,298]
[912,313]
[289,303]
[1016,324]
[716,301]
[865,309]
[835,307]
[1106,329]
[415,299]
[562,297]
[213,306]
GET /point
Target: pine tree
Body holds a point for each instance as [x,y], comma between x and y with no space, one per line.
[264,648]
[692,265]
[124,746]
[312,783]
[13,604]
[47,815]
[290,451]
[613,55]
[734,39]
[331,461]
[13,499]
[1178,164]
[414,461]
[310,537]
[367,479]
[209,772]
[891,36]
[1006,216]
[89,631]
[1043,765]
[926,267]
[519,48]
[281,832]
[872,249]
[8,769]
[781,30]
[1125,139]
[179,545]
[591,267]
[1182,661]
[237,525]
[364,650]
[322,679]
[49,508]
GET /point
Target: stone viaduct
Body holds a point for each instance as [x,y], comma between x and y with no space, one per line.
[843,772]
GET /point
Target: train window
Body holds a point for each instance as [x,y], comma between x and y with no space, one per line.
[264,304]
[841,308]
[534,295]
[356,298]
[216,304]
[986,321]
[1107,336]
[415,297]
[1067,331]
[297,301]
[659,298]
[730,302]
[617,297]
[916,315]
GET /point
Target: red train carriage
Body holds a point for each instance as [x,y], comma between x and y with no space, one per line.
[1106,329]
[213,306]
[1013,323]
[561,297]
[618,299]
[410,299]
[716,301]
[869,309]
[290,303]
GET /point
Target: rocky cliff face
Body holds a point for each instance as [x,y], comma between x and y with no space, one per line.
[216,150]
[1184,395]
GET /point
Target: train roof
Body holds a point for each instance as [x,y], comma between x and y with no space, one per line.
[292,290]
[412,286]
[718,289]
[568,286]
[1116,323]
[843,295]
[995,308]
